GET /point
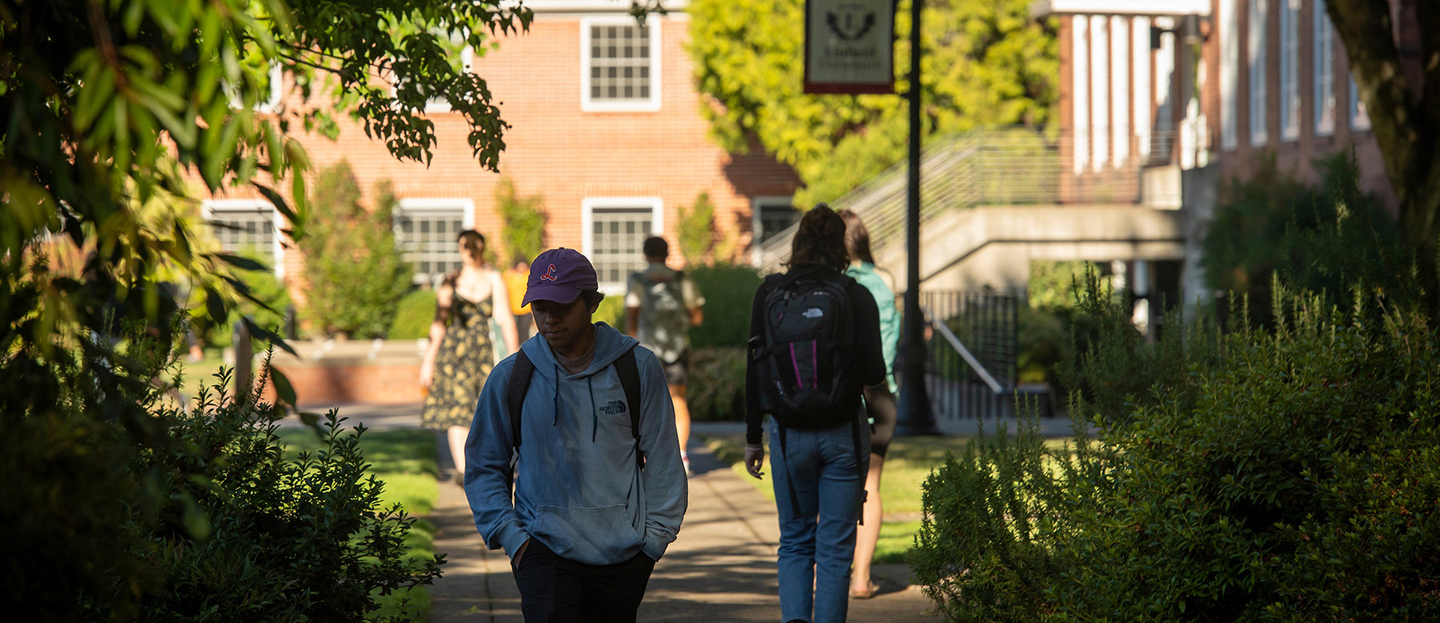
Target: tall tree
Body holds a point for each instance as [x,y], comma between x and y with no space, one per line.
[987,63]
[110,106]
[1396,66]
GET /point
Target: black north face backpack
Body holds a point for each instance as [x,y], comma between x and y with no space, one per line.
[806,350]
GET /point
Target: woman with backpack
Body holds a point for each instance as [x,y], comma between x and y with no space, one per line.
[814,350]
[882,419]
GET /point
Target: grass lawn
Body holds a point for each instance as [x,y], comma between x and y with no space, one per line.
[405,461]
[907,464]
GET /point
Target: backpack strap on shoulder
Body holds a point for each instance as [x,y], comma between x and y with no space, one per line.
[630,380]
[515,398]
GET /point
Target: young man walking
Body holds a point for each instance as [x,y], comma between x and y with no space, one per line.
[580,422]
[661,304]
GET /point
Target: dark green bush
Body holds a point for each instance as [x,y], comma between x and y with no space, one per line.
[1283,473]
[1323,239]
[354,275]
[122,505]
[247,534]
[716,392]
[413,316]
[729,290]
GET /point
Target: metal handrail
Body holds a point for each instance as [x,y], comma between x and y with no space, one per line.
[965,353]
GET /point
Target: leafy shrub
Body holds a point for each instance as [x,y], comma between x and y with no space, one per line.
[354,276]
[720,394]
[413,316]
[1287,473]
[612,311]
[178,513]
[1321,239]
[729,290]
[981,547]
[250,534]
[524,230]
[697,230]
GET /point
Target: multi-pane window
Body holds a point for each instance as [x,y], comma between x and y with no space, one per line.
[1289,69]
[773,217]
[614,234]
[621,64]
[246,227]
[1324,71]
[1256,26]
[1229,74]
[425,233]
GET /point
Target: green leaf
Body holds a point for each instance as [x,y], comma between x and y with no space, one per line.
[241,262]
[283,389]
[215,305]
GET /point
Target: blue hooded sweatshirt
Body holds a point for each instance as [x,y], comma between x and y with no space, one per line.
[578,489]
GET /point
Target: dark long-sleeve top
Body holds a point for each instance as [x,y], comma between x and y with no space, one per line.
[869,357]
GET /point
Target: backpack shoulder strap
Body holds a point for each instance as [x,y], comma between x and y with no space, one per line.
[515,398]
[630,380]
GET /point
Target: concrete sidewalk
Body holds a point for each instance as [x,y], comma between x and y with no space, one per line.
[721,569]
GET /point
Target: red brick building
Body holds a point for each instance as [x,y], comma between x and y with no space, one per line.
[605,127]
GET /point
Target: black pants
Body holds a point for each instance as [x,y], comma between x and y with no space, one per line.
[556,590]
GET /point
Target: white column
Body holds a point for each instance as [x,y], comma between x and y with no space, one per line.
[1120,90]
[1141,41]
[1080,81]
[1100,101]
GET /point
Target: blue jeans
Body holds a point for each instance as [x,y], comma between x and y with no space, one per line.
[817,539]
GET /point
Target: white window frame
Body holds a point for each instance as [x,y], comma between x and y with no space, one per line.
[467,65]
[277,91]
[1359,117]
[210,208]
[1323,36]
[757,205]
[1229,75]
[589,205]
[1258,49]
[624,19]
[422,204]
[1289,70]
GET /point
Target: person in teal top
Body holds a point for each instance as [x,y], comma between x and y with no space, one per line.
[862,269]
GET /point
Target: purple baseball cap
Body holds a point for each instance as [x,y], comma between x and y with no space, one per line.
[559,275]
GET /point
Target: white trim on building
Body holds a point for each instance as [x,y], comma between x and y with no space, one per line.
[1140,42]
[1044,8]
[1258,49]
[1229,74]
[1100,93]
[1080,79]
[1323,38]
[1119,91]
[1289,70]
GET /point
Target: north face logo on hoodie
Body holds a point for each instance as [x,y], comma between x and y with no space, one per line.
[614,407]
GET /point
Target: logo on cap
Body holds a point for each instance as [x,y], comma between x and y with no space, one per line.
[549,274]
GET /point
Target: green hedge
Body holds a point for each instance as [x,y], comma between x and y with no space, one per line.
[729,290]
[716,392]
[413,316]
